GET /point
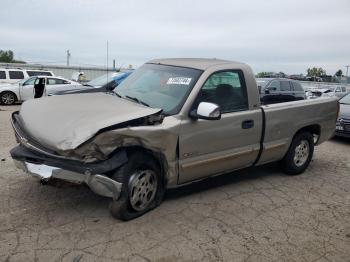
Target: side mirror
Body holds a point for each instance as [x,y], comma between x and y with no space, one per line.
[267,91]
[207,111]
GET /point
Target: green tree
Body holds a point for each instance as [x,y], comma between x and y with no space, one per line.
[263,74]
[316,71]
[339,73]
[7,56]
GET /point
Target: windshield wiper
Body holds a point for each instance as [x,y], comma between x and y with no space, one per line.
[137,100]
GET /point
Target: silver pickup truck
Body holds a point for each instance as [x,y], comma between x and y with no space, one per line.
[172,122]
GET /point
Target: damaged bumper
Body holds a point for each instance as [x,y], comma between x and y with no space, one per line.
[100,184]
[93,174]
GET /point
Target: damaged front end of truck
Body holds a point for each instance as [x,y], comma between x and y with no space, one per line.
[91,155]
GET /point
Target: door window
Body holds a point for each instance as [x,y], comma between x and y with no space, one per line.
[285,86]
[56,81]
[16,74]
[226,89]
[274,86]
[2,75]
[297,87]
[30,81]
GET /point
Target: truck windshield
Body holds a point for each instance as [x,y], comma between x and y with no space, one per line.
[160,86]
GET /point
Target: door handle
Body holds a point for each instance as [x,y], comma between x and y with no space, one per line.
[247,124]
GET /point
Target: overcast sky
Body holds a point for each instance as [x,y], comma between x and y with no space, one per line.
[273,35]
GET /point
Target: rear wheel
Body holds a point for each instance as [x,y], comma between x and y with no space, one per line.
[8,98]
[142,188]
[299,154]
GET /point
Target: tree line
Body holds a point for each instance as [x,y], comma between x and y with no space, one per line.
[7,56]
[312,72]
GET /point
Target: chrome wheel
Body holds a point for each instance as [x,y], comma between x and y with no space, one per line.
[301,153]
[8,98]
[142,189]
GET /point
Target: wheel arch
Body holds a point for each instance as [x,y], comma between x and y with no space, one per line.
[158,157]
[314,129]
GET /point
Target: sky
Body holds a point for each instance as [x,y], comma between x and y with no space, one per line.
[270,35]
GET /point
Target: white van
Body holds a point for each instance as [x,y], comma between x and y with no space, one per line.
[12,75]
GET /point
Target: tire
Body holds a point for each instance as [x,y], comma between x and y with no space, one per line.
[299,154]
[8,98]
[142,188]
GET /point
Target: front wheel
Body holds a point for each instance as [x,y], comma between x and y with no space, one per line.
[8,98]
[142,188]
[299,154]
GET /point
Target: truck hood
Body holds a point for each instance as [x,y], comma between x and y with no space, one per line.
[63,123]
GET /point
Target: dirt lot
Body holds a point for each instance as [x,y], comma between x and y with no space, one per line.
[258,214]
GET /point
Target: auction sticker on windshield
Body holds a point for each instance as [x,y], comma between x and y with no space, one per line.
[179,81]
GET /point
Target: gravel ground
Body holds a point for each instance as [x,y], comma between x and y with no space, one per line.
[258,214]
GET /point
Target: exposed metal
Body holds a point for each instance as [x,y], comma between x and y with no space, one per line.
[100,184]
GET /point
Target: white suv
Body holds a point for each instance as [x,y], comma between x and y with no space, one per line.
[11,75]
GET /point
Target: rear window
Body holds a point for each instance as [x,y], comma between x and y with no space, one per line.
[39,73]
[16,74]
[297,87]
[285,86]
[2,75]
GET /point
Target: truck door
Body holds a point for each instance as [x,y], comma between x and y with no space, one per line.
[208,147]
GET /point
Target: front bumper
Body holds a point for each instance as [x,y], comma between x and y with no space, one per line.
[37,161]
[40,162]
[342,133]
[342,128]
[100,184]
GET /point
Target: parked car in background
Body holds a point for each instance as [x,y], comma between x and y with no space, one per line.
[343,122]
[34,86]
[277,90]
[338,91]
[10,75]
[171,122]
[108,87]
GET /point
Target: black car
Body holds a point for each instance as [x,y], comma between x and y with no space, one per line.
[343,123]
[278,90]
